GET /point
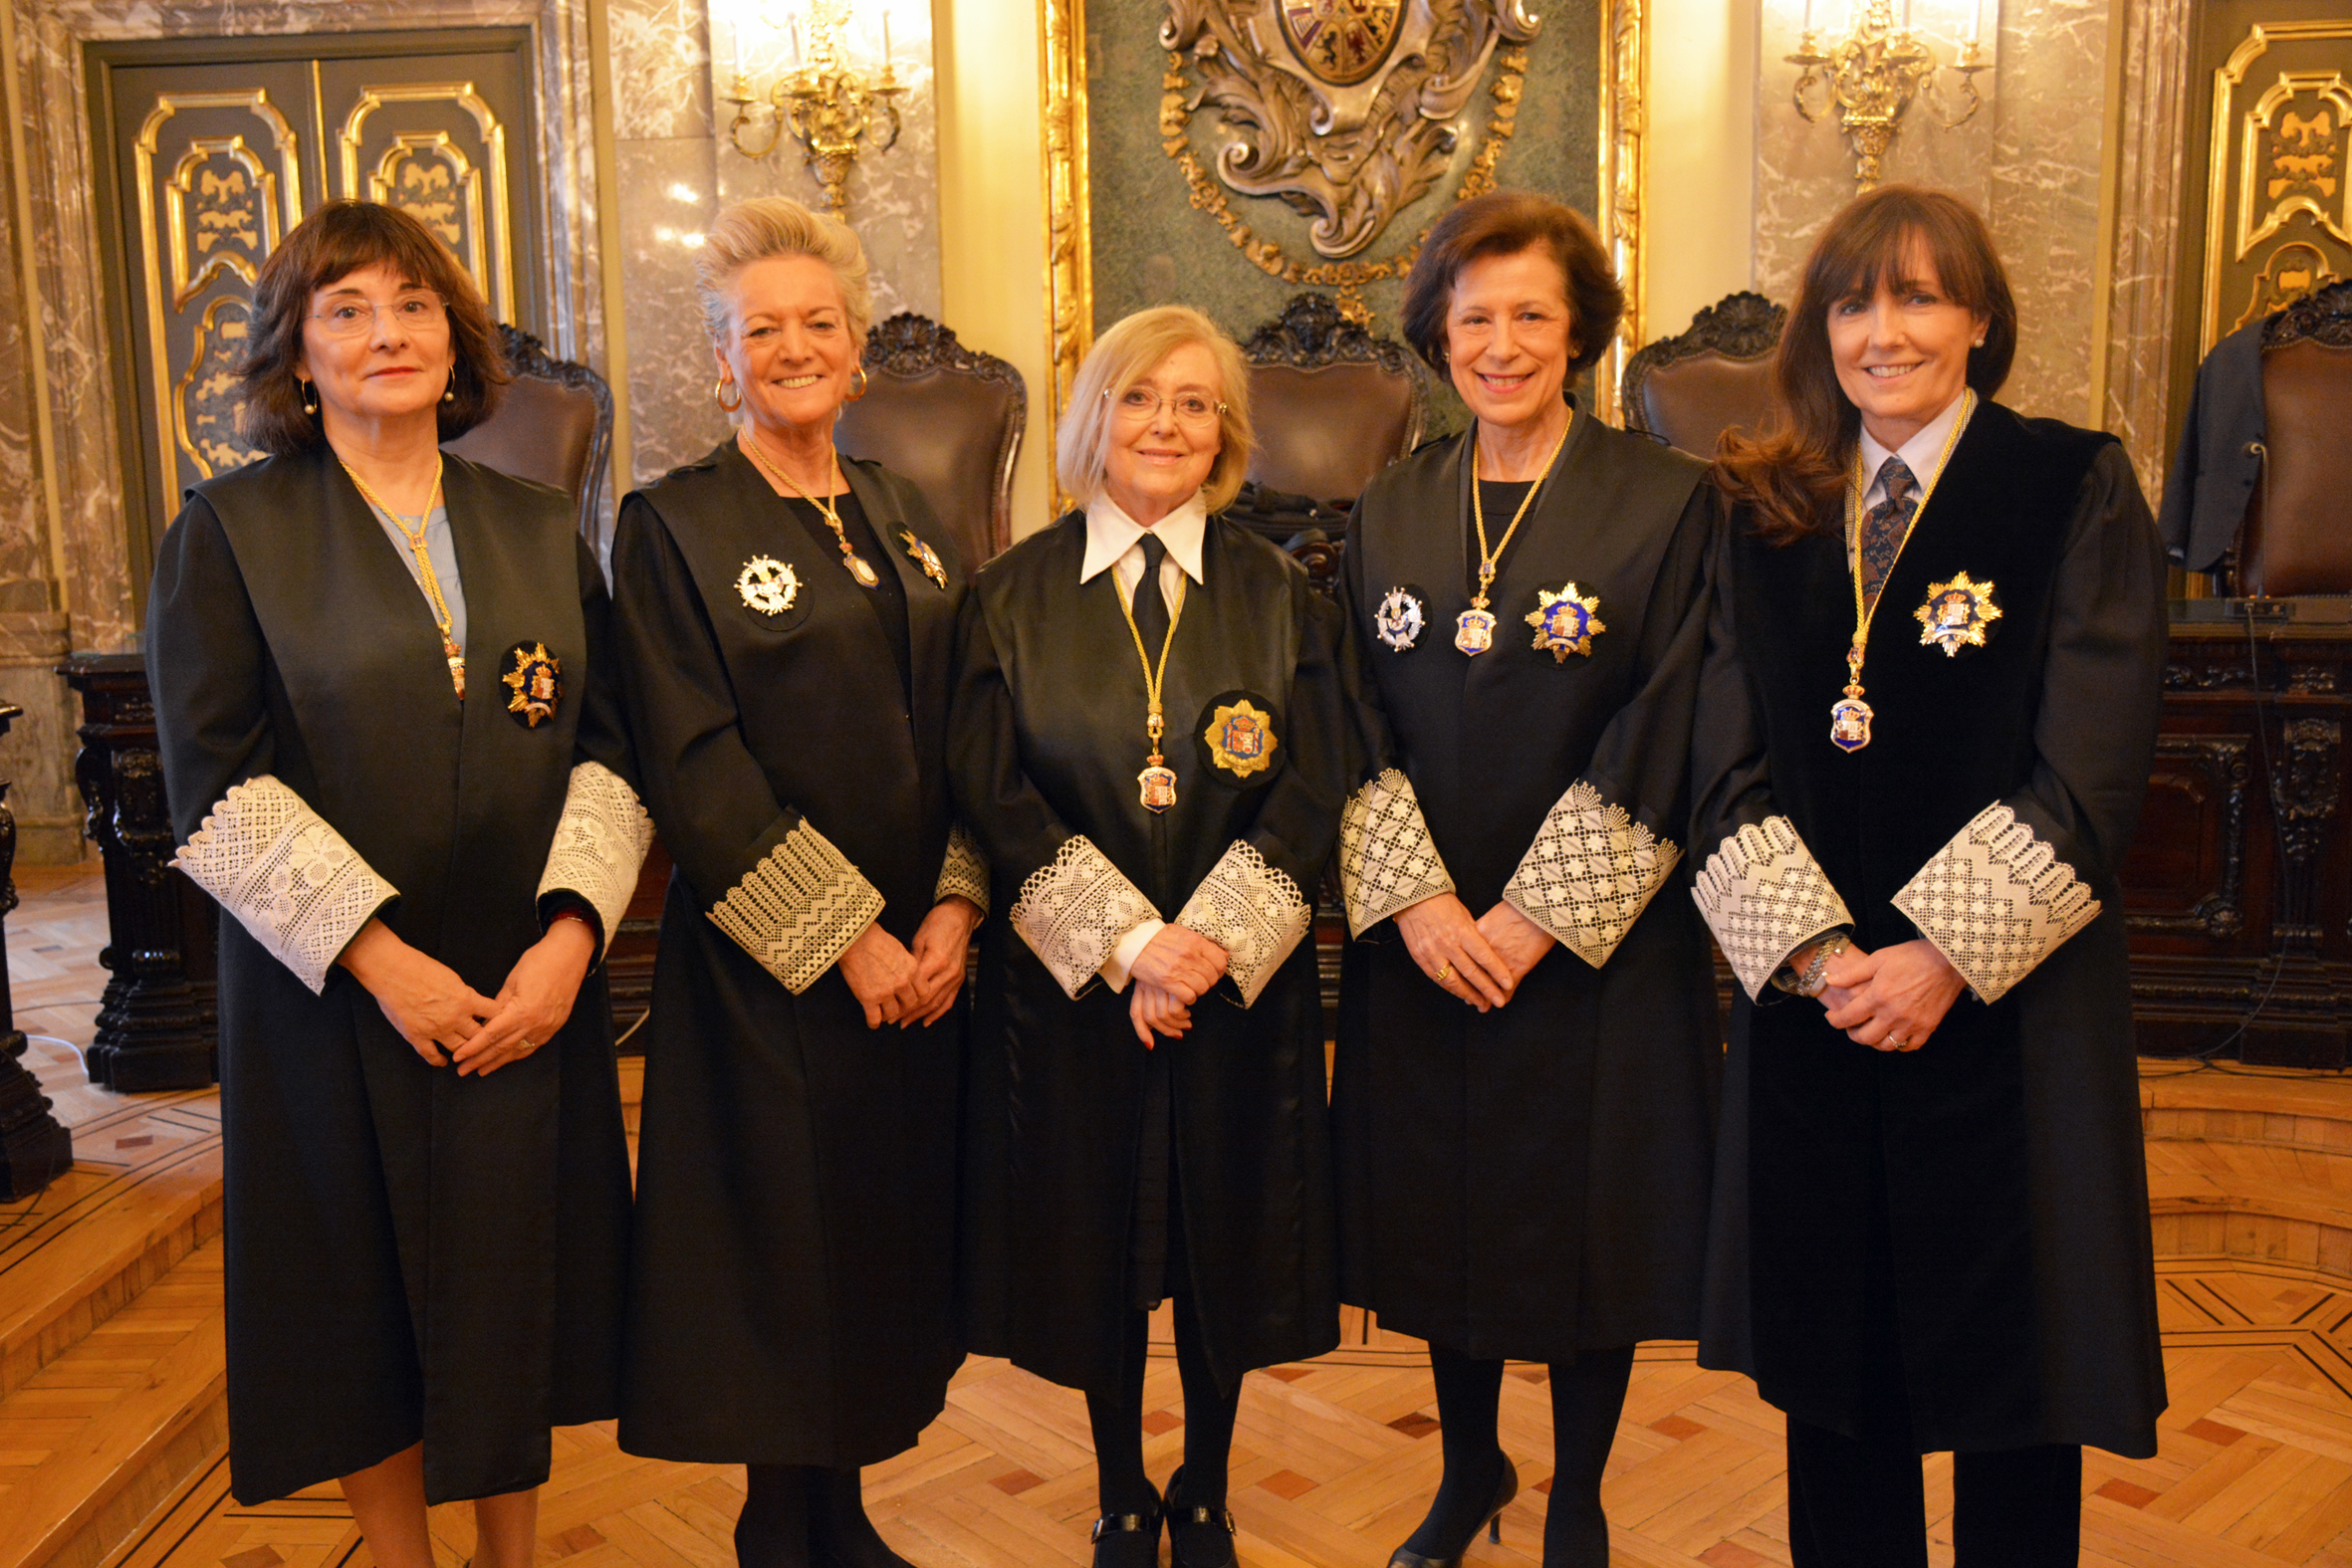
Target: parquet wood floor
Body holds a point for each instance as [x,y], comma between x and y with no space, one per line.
[1335,1460]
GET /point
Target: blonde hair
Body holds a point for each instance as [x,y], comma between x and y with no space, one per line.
[1125,355]
[768,226]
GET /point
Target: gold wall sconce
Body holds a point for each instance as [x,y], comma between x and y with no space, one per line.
[1871,75]
[832,108]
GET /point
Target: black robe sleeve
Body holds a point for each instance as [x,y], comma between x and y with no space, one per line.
[1074,905]
[2044,849]
[242,829]
[761,872]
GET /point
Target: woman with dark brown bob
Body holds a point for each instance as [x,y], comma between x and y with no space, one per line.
[1524,1089]
[1925,732]
[380,695]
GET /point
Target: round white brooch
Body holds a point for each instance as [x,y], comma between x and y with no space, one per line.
[768,584]
[1398,620]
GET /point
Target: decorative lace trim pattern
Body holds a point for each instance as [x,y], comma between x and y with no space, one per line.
[1387,860]
[1996,901]
[1590,873]
[1074,911]
[798,908]
[964,874]
[287,877]
[1763,895]
[600,844]
[1251,909]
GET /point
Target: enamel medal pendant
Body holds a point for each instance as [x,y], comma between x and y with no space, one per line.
[1155,786]
[1473,631]
[1850,718]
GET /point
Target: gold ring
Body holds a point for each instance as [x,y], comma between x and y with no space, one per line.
[1444,974]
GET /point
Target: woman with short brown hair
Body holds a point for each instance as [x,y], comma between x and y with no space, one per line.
[1524,1091]
[1926,726]
[380,692]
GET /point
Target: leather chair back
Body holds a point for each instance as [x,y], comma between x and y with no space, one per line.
[1332,404]
[553,425]
[1715,376]
[2297,536]
[947,417]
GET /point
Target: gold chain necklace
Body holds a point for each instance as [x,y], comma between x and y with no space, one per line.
[1156,784]
[1474,628]
[425,566]
[1850,718]
[856,562]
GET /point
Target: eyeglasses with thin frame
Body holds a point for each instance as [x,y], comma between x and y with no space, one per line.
[1141,405]
[423,311]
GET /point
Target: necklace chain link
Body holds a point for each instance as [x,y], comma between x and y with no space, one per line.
[431,580]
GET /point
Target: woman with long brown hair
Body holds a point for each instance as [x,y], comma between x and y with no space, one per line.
[1925,730]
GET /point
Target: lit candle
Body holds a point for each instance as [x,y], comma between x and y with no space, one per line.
[886,36]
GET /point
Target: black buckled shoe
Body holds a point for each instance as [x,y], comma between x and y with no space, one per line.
[1127,1540]
[1505,1488]
[1197,1537]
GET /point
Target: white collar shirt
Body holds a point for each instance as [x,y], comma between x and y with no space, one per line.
[1923,454]
[1114,542]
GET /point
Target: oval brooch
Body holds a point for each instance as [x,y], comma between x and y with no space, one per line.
[1240,738]
[1956,614]
[1399,619]
[535,682]
[1567,622]
[768,584]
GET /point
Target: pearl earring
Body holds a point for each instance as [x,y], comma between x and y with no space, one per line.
[310,398]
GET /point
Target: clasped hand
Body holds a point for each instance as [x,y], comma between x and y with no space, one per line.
[1480,961]
[446,1021]
[897,986]
[1892,999]
[1177,968]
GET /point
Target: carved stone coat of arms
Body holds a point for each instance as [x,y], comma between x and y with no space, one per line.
[1345,110]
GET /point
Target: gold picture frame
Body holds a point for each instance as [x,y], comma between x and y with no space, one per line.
[1069,254]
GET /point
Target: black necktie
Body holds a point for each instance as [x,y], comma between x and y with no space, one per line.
[1151,607]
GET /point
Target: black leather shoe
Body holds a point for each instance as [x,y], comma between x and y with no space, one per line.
[1197,1537]
[1127,1540]
[1505,1488]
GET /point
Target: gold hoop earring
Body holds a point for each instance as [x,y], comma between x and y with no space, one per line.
[719,392]
[310,398]
[858,376]
[449,392]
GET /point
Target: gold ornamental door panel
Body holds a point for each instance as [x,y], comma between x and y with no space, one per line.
[2278,202]
[217,148]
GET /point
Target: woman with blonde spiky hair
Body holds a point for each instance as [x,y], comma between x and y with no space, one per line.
[785,616]
[1150,743]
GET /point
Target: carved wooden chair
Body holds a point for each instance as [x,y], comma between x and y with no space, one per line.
[949,418]
[1716,376]
[2297,535]
[1332,404]
[553,425]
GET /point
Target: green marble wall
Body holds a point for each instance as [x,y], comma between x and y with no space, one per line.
[1152,247]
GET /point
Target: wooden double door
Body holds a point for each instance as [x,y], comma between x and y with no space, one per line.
[209,151]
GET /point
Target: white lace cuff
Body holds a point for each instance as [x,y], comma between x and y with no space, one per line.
[1996,901]
[1387,860]
[1074,911]
[1589,874]
[963,875]
[600,842]
[1763,895]
[287,877]
[798,908]
[1252,910]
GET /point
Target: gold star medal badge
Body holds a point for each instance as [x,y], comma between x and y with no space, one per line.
[768,584]
[1567,622]
[1956,614]
[1240,737]
[924,557]
[536,681]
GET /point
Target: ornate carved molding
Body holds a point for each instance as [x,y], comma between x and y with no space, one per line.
[1070,247]
[1741,325]
[1625,80]
[2321,317]
[911,345]
[2217,763]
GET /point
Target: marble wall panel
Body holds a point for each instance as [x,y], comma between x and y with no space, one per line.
[2156,44]
[2031,159]
[670,193]
[24,531]
[662,69]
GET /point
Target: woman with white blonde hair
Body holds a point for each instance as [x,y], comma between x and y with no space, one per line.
[1151,741]
[785,618]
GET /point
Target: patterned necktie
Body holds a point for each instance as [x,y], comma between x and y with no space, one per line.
[1151,607]
[1884,525]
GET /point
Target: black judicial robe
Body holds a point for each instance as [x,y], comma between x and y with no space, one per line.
[411,1254]
[2005,1151]
[1049,738]
[1532,1181]
[792,1289]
